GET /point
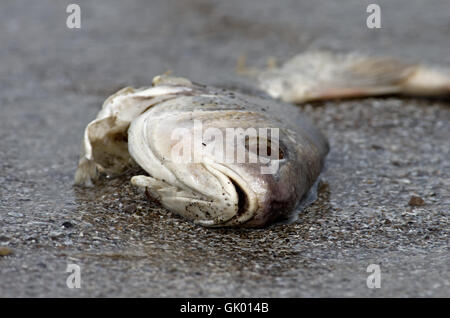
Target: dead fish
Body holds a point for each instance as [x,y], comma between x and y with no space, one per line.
[324,75]
[135,126]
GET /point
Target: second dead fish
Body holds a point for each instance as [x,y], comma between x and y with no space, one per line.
[324,75]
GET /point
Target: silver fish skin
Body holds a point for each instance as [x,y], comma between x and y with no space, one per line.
[135,127]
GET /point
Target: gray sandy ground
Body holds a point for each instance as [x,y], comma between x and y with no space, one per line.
[383,150]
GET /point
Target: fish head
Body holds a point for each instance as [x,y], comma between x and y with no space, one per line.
[216,157]
[219,162]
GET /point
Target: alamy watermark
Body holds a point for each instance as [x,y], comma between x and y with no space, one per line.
[227,145]
[374,19]
[374,279]
[74,18]
[74,278]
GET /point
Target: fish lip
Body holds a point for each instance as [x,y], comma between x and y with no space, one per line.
[240,185]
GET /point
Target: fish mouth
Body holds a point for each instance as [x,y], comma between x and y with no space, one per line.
[234,204]
[246,203]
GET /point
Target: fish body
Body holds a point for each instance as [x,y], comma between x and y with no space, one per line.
[140,127]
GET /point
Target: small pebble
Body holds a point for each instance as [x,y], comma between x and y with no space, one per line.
[4,251]
[67,225]
[55,234]
[416,201]
[15,214]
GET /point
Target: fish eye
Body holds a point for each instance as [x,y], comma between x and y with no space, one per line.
[268,143]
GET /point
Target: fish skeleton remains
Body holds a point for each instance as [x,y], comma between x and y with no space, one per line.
[144,127]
